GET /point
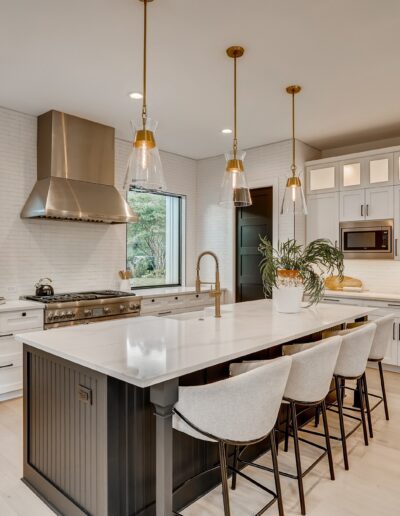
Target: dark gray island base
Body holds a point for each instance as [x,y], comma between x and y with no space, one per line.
[90,440]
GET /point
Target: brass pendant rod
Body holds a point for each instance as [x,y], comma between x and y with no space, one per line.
[235,108]
[144,106]
[293,138]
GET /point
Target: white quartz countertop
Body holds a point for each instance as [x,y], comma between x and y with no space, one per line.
[20,304]
[366,294]
[145,351]
[167,291]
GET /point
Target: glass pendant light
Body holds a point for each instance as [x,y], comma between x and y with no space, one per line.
[234,189]
[144,169]
[294,201]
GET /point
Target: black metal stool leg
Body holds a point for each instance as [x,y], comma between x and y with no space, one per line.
[276,473]
[235,465]
[298,459]
[338,384]
[362,408]
[224,478]
[287,427]
[365,385]
[385,403]
[327,440]
[316,418]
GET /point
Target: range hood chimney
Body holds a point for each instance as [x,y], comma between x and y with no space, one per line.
[75,173]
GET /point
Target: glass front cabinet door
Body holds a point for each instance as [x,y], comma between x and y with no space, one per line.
[322,178]
[379,170]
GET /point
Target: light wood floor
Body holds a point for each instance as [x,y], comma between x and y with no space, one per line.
[370,488]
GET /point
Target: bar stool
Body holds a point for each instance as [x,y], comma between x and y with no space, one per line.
[351,365]
[236,411]
[384,330]
[308,385]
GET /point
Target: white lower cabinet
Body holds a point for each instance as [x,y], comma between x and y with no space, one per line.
[323,217]
[11,323]
[181,303]
[392,357]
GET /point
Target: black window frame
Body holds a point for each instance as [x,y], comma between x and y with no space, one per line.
[180,241]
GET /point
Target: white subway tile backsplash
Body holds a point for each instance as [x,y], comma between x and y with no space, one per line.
[76,255]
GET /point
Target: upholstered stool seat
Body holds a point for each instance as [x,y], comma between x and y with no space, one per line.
[236,411]
[308,385]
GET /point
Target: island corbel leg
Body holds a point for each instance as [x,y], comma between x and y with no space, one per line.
[164,396]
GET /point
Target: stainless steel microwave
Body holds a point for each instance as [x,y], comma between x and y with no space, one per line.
[371,239]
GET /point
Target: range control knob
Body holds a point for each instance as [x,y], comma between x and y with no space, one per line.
[56,315]
[106,310]
[70,314]
[87,313]
[50,316]
[122,308]
[134,306]
[62,315]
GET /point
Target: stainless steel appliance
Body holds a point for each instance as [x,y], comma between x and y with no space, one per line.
[75,172]
[87,307]
[371,239]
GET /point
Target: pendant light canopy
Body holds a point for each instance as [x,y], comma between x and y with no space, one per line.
[234,189]
[294,201]
[144,168]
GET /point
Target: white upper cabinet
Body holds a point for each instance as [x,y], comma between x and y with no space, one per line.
[352,174]
[366,204]
[379,170]
[323,217]
[352,205]
[378,203]
[396,168]
[322,178]
[366,172]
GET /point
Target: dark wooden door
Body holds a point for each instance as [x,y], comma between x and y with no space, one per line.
[251,222]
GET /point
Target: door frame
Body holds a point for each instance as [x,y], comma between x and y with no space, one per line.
[257,183]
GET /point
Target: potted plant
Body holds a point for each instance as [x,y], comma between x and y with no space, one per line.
[292,270]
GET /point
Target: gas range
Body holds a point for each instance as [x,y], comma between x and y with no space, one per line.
[87,307]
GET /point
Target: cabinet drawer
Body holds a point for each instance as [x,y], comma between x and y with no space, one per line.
[201,299]
[8,345]
[15,322]
[10,379]
[154,304]
[10,360]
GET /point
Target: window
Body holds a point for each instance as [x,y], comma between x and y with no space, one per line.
[154,243]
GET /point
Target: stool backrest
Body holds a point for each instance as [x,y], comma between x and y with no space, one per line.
[241,408]
[383,335]
[312,371]
[355,350]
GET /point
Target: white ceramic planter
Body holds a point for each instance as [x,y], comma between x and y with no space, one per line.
[287,300]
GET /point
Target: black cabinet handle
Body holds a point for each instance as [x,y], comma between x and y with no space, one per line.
[7,365]
[367,210]
[165,313]
[395,246]
[6,335]
[362,210]
[394,304]
[394,331]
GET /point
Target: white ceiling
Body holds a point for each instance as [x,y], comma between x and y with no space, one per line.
[84,57]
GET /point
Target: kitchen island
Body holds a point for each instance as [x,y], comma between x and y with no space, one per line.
[98,401]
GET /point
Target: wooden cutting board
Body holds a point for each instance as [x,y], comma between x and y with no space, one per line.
[334,282]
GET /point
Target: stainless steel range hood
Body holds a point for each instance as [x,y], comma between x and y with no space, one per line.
[75,172]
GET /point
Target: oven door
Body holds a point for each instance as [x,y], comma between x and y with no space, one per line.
[372,240]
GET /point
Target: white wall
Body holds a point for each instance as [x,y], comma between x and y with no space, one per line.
[268,165]
[381,276]
[76,255]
